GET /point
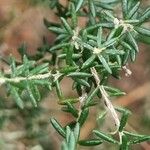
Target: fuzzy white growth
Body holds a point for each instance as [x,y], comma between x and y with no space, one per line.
[34,77]
[75,36]
[107,102]
[128,72]
[126,26]
[98,50]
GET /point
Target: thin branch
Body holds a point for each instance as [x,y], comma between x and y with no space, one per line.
[34,77]
[107,102]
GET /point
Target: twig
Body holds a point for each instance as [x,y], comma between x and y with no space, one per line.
[34,77]
[107,102]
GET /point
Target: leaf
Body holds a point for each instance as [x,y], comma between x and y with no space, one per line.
[74,18]
[125,143]
[72,109]
[145,16]
[68,69]
[140,139]
[69,53]
[43,68]
[64,101]
[114,52]
[143,31]
[79,74]
[64,146]
[58,90]
[133,42]
[79,4]
[70,139]
[58,46]
[83,116]
[16,96]
[110,42]
[91,96]
[123,120]
[99,37]
[91,142]
[88,62]
[31,93]
[57,30]
[125,57]
[132,55]
[82,82]
[77,131]
[113,91]
[105,64]
[134,135]
[125,8]
[67,26]
[133,10]
[92,8]
[58,127]
[104,137]
[74,56]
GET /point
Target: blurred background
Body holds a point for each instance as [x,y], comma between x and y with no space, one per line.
[21,21]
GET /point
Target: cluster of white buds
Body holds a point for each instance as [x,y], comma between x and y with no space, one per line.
[74,38]
[98,50]
[126,26]
[128,72]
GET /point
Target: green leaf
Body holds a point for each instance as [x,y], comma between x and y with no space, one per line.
[104,137]
[64,146]
[105,64]
[64,101]
[69,53]
[74,16]
[82,82]
[43,68]
[133,55]
[99,37]
[57,30]
[70,139]
[77,131]
[72,109]
[134,135]
[58,127]
[58,46]
[143,31]
[140,139]
[92,8]
[79,74]
[125,143]
[133,10]
[31,93]
[67,26]
[133,42]
[145,16]
[79,4]
[91,142]
[83,116]
[125,8]
[16,96]
[113,91]
[125,57]
[74,56]
[110,42]
[58,90]
[114,52]
[124,119]
[88,62]
[68,69]
[91,96]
